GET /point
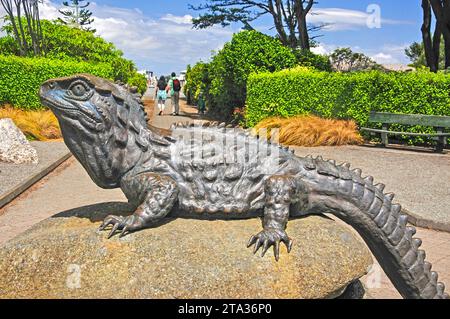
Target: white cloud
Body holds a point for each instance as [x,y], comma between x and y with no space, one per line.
[384,58]
[163,45]
[186,19]
[323,48]
[337,19]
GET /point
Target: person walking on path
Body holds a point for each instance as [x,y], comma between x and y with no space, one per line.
[175,88]
[201,104]
[161,94]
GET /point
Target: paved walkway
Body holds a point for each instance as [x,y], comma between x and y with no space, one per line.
[70,187]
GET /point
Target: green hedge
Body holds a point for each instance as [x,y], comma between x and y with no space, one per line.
[20,78]
[346,95]
[139,81]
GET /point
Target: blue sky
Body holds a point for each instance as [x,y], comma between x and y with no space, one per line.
[158,36]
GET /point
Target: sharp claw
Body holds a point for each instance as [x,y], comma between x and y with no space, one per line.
[257,245]
[251,241]
[116,226]
[289,245]
[124,230]
[105,224]
[276,250]
[265,248]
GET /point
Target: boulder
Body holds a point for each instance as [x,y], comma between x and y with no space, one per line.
[14,146]
[67,257]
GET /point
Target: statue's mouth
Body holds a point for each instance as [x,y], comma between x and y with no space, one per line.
[52,104]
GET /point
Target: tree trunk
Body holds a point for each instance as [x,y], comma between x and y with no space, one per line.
[446,9]
[19,22]
[7,5]
[440,9]
[303,34]
[278,21]
[437,37]
[301,12]
[426,35]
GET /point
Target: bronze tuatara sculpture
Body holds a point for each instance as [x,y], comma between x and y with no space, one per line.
[213,172]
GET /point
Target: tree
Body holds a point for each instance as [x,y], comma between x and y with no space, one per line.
[345,60]
[77,15]
[289,17]
[23,17]
[229,69]
[416,53]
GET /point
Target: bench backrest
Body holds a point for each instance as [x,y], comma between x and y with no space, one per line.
[410,119]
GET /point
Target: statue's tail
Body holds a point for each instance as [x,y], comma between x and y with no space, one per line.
[357,201]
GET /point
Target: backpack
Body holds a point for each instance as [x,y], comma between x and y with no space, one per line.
[176,85]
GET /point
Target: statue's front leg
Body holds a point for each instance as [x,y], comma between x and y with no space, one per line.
[279,192]
[155,196]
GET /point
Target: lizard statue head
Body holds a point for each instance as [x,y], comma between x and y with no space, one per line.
[101,123]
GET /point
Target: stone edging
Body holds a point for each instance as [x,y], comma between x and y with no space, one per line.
[419,221]
[22,187]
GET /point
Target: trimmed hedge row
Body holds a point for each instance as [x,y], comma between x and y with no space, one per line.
[346,95]
[20,78]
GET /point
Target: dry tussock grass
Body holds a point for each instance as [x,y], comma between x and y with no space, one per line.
[36,125]
[312,131]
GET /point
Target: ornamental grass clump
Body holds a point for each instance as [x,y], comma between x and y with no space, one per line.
[311,131]
[36,125]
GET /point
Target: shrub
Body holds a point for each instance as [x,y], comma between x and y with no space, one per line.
[197,81]
[312,131]
[309,59]
[139,81]
[346,95]
[20,78]
[247,52]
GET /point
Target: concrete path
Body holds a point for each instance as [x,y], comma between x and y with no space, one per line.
[70,187]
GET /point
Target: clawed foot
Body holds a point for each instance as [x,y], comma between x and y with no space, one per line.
[119,223]
[270,237]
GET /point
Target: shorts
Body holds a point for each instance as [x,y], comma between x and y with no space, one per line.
[162,95]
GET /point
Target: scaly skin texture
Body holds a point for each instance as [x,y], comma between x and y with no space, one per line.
[196,172]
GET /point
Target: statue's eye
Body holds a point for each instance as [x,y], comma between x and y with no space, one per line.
[79,89]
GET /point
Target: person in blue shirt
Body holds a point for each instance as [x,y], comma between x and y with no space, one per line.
[161,94]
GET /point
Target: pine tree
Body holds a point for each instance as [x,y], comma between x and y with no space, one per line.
[77,15]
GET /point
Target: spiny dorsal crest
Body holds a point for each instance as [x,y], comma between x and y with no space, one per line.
[223,126]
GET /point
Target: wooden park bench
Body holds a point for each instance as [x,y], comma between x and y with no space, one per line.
[439,123]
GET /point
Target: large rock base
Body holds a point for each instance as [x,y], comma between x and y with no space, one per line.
[67,257]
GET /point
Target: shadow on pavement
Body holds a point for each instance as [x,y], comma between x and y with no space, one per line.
[98,212]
